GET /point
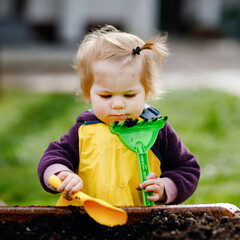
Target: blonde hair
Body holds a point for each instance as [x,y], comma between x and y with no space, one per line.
[112,44]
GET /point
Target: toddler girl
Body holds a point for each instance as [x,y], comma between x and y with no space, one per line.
[118,72]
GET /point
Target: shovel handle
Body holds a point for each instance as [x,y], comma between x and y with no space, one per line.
[79,196]
[143,171]
[55,181]
[101,211]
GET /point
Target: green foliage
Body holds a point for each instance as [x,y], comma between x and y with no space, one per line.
[207,121]
[29,122]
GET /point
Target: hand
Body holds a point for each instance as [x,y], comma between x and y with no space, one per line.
[71,184]
[154,184]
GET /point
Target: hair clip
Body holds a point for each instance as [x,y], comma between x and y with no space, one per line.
[136,50]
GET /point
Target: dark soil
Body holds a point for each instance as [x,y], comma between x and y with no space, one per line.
[161,225]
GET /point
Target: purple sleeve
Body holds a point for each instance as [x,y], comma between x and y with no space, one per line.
[64,152]
[178,163]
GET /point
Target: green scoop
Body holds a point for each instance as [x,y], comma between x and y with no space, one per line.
[139,137]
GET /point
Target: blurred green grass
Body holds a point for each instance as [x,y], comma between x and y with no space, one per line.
[207,121]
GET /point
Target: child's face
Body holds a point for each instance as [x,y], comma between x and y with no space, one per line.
[116,94]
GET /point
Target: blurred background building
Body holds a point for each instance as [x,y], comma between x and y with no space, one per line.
[44,34]
[66,21]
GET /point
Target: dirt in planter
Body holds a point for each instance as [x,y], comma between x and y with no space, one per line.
[161,225]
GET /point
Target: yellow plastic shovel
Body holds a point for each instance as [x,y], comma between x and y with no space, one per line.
[101,211]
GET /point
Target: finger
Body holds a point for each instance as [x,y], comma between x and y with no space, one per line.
[62,175]
[154,198]
[64,184]
[148,182]
[152,188]
[75,184]
[151,176]
[77,187]
[66,196]
[138,187]
[158,192]
[71,181]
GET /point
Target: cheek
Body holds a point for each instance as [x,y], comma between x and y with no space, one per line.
[95,103]
[140,103]
[93,98]
[99,107]
[137,106]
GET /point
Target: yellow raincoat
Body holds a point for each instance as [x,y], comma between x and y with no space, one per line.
[108,169]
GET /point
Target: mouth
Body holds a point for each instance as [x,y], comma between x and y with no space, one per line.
[120,116]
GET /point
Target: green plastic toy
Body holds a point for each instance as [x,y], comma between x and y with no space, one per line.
[139,137]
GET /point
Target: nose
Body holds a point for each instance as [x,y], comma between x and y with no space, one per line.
[118,103]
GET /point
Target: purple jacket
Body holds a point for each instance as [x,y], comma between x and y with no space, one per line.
[177,162]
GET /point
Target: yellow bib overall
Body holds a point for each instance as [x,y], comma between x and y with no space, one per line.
[108,169]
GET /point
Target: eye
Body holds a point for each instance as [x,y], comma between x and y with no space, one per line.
[130,95]
[106,96]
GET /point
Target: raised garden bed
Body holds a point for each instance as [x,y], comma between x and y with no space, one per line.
[204,221]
